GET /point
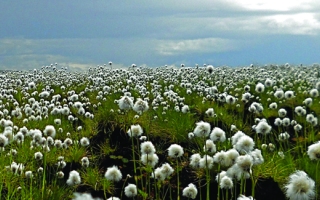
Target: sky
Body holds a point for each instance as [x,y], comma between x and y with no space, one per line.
[80,34]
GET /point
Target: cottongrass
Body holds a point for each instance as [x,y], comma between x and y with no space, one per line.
[113,198]
[237,172]
[83,196]
[210,112]
[232,155]
[217,134]
[314,151]
[300,186]
[245,162]
[125,103]
[236,137]
[166,170]
[202,129]
[206,162]
[77,111]
[226,182]
[195,160]
[149,159]
[257,157]
[135,130]
[49,131]
[74,178]
[242,197]
[38,156]
[84,142]
[113,174]
[209,147]
[140,106]
[245,144]
[29,174]
[85,162]
[222,159]
[190,191]
[263,128]
[3,140]
[175,151]
[130,190]
[147,147]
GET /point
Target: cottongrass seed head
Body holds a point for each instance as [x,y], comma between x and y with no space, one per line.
[194,160]
[202,129]
[84,142]
[83,196]
[74,178]
[135,130]
[235,171]
[257,157]
[222,159]
[220,175]
[190,135]
[242,197]
[125,103]
[217,134]
[149,159]
[85,162]
[130,190]
[147,148]
[29,174]
[175,151]
[245,162]
[49,130]
[206,162]
[226,183]
[314,151]
[210,112]
[3,140]
[300,186]
[113,174]
[236,137]
[140,106]
[263,128]
[210,146]
[190,191]
[245,144]
[157,174]
[166,169]
[113,198]
[232,154]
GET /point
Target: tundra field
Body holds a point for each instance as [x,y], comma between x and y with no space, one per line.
[160,133]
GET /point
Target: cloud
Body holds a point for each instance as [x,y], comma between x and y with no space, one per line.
[276,5]
[258,25]
[205,45]
[84,33]
[20,53]
[300,24]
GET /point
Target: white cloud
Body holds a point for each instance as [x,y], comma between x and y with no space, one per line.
[299,17]
[300,24]
[206,45]
[277,5]
[259,25]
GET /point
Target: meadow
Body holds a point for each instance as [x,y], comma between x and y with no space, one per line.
[204,132]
